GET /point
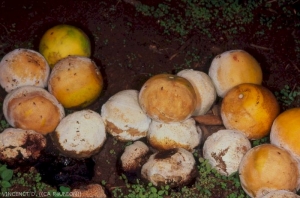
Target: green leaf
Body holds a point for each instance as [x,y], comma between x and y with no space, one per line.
[2,167]
[161,192]
[7,174]
[5,184]
[167,187]
[153,190]
[64,189]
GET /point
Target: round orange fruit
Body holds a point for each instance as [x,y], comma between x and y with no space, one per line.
[251,109]
[232,68]
[32,108]
[265,168]
[285,131]
[168,98]
[63,40]
[75,81]
[23,67]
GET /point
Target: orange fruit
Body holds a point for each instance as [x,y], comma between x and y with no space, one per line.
[168,98]
[285,131]
[251,109]
[23,67]
[75,81]
[63,40]
[265,168]
[232,68]
[32,108]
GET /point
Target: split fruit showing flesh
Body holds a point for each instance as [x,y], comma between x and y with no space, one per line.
[168,98]
[32,108]
[19,146]
[64,40]
[232,68]
[76,82]
[251,109]
[23,67]
[265,168]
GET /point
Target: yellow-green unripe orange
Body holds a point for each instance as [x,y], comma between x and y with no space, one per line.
[63,40]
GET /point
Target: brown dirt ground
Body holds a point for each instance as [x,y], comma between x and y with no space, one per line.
[128,49]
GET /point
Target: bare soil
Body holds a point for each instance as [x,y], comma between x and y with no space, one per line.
[129,48]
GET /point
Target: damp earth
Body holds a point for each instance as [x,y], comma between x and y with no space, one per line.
[134,40]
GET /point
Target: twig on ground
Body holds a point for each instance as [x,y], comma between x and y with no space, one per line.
[181,48]
[132,2]
[209,119]
[294,87]
[260,47]
[5,28]
[295,66]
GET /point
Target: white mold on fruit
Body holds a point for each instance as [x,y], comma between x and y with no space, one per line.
[123,117]
[23,67]
[225,150]
[80,134]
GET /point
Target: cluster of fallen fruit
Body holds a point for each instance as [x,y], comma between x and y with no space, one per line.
[164,111]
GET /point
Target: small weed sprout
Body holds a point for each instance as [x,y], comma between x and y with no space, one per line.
[209,179]
[261,141]
[112,151]
[195,15]
[103,182]
[31,180]
[141,190]
[3,125]
[287,96]
[63,190]
[5,177]
[209,183]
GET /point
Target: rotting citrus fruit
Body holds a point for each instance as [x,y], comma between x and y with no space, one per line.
[251,109]
[23,67]
[75,81]
[265,168]
[232,68]
[168,98]
[32,108]
[63,40]
[204,88]
[285,131]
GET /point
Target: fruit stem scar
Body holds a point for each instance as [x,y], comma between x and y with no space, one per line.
[241,96]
